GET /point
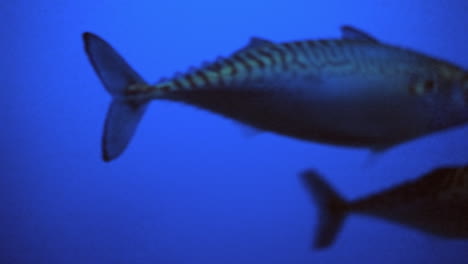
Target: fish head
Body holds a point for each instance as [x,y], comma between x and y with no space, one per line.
[464,85]
[444,96]
[448,82]
[457,87]
[433,84]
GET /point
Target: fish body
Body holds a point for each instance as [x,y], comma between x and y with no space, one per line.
[352,91]
[436,203]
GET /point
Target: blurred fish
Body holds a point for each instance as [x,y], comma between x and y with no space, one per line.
[352,91]
[436,203]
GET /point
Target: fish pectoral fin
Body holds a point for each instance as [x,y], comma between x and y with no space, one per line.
[349,32]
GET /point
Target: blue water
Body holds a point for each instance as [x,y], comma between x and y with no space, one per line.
[192,187]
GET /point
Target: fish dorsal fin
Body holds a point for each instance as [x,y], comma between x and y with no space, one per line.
[349,32]
[256,42]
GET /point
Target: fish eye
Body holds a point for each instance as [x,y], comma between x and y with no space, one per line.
[429,85]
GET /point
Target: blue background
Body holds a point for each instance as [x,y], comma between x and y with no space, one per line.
[192,188]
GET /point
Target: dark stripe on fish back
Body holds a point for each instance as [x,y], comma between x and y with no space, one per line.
[165,88]
[258,61]
[232,66]
[295,53]
[216,67]
[189,79]
[178,84]
[203,76]
[317,56]
[301,46]
[335,54]
[244,63]
[282,55]
[268,56]
[291,50]
[328,52]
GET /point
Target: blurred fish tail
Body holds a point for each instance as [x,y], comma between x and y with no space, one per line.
[332,209]
[118,77]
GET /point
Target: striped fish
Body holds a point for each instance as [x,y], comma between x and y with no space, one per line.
[352,91]
[436,203]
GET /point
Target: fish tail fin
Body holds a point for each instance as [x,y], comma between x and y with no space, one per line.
[332,209]
[117,76]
